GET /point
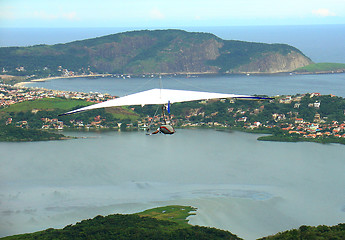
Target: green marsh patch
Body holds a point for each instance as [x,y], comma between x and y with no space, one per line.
[322,67]
[173,213]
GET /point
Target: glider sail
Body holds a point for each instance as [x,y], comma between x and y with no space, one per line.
[161,96]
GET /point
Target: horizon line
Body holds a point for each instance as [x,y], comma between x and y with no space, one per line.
[173,27]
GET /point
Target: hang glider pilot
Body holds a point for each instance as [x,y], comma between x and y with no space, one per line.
[166,128]
[162,97]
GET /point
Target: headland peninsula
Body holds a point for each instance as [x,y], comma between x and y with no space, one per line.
[158,52]
[151,52]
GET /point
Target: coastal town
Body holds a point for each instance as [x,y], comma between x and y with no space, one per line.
[11,95]
[290,121]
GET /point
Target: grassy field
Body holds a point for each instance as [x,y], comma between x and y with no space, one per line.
[322,67]
[46,104]
[123,113]
[173,213]
[50,104]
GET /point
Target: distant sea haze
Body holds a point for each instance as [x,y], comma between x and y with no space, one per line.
[322,43]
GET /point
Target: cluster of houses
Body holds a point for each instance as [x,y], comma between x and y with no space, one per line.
[314,130]
[59,125]
[10,95]
[63,71]
[68,73]
[318,128]
[54,123]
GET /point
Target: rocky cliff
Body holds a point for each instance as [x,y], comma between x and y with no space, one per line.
[275,63]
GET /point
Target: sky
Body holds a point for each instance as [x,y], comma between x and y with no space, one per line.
[168,13]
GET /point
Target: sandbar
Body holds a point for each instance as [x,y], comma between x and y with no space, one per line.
[22,84]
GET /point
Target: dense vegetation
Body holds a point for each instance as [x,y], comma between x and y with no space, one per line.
[130,227]
[17,134]
[236,53]
[166,223]
[306,232]
[322,67]
[140,52]
[280,136]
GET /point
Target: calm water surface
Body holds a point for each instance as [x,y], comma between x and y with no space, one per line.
[237,183]
[270,85]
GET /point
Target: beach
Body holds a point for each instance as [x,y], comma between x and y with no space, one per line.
[23,84]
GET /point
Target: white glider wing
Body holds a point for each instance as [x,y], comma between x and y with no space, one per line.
[160,96]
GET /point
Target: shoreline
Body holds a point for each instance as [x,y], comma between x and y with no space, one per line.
[195,74]
[22,84]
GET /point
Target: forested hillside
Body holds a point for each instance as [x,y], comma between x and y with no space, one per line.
[128,227]
[143,52]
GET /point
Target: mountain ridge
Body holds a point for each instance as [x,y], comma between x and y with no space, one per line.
[155,51]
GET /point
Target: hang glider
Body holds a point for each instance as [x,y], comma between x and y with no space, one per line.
[161,97]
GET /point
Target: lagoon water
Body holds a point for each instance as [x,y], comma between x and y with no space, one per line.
[270,85]
[248,187]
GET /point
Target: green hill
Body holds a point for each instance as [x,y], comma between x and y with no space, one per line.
[159,51]
[306,232]
[168,222]
[131,227]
